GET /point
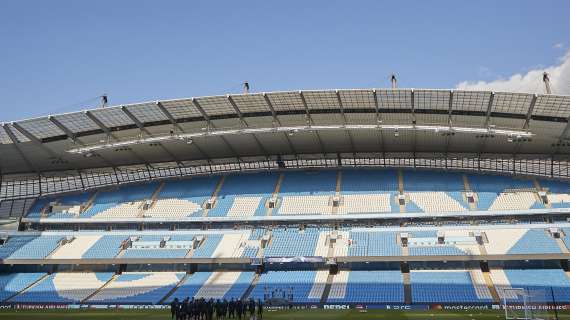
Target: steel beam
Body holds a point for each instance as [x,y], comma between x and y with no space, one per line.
[310,120]
[242,119]
[141,127]
[378,122]
[74,138]
[176,125]
[352,147]
[109,134]
[449,121]
[489,109]
[16,143]
[211,125]
[276,121]
[530,110]
[35,140]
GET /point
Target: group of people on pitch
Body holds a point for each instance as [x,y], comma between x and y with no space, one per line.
[202,309]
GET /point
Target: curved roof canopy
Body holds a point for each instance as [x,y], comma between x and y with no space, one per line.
[290,123]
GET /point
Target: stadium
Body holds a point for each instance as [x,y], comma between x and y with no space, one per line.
[368,199]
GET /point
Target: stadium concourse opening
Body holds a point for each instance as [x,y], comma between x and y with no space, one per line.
[447,201]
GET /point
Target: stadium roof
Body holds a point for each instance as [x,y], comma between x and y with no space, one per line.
[290,123]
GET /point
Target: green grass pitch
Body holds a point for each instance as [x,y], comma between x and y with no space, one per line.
[268,315]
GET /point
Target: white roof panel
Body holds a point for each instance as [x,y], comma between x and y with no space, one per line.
[321,100]
[516,103]
[394,99]
[431,99]
[216,105]
[41,128]
[147,112]
[250,103]
[181,109]
[285,101]
[471,100]
[357,99]
[77,122]
[112,117]
[552,106]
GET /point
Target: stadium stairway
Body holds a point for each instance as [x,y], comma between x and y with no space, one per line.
[327,288]
[491,287]
[561,245]
[155,195]
[89,202]
[467,187]
[401,189]
[31,285]
[215,195]
[405,269]
[337,191]
[538,187]
[113,278]
[276,192]
[59,245]
[251,286]
[171,292]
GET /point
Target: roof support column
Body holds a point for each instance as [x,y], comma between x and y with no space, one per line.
[143,129]
[487,120]
[177,126]
[277,122]
[379,122]
[345,122]
[109,134]
[310,121]
[18,149]
[530,110]
[449,122]
[242,119]
[211,125]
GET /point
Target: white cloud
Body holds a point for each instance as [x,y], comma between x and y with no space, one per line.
[530,81]
[559,45]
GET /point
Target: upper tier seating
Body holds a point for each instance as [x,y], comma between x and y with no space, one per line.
[244,195]
[125,202]
[64,287]
[496,192]
[307,192]
[435,191]
[558,193]
[183,198]
[367,191]
[367,287]
[138,288]
[293,286]
[448,286]
[73,201]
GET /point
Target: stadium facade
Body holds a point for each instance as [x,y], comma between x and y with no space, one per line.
[393,198]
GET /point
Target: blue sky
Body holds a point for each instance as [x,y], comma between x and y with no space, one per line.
[57,55]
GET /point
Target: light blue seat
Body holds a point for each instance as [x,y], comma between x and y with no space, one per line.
[443,287]
[245,185]
[10,284]
[386,286]
[535,241]
[293,286]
